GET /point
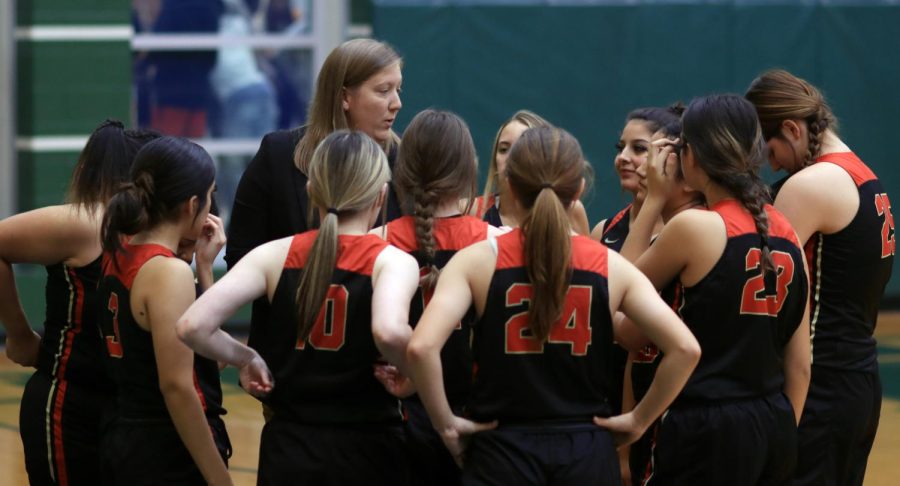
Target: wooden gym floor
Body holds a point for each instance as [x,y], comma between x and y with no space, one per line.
[244,419]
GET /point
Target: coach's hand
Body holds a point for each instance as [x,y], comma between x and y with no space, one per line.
[458,432]
[624,428]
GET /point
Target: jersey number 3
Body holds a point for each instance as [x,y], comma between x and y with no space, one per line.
[329,330]
[573,328]
[754,300]
[883,207]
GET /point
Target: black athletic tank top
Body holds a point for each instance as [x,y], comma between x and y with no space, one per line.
[451,235]
[567,378]
[741,319]
[71,348]
[327,379]
[488,211]
[615,230]
[129,347]
[849,271]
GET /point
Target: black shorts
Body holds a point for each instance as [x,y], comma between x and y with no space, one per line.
[150,452]
[430,461]
[542,454]
[70,419]
[332,454]
[740,442]
[838,427]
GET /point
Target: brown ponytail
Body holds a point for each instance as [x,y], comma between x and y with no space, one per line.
[779,95]
[546,170]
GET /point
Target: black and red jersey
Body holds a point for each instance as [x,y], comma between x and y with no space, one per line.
[742,318]
[129,347]
[71,348]
[488,210]
[615,229]
[849,271]
[329,377]
[566,378]
[451,235]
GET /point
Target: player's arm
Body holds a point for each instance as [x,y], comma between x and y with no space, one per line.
[633,294]
[810,208]
[173,291]
[452,298]
[44,236]
[249,279]
[798,358]
[661,180]
[395,278]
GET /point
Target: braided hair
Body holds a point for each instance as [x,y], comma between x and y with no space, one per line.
[725,137]
[779,95]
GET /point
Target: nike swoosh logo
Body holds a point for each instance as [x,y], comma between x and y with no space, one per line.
[609,241]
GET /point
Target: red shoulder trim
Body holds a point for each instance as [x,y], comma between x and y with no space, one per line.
[779,226]
[738,220]
[615,219]
[300,246]
[858,170]
[130,260]
[401,233]
[481,207]
[356,253]
[589,255]
[458,232]
[511,249]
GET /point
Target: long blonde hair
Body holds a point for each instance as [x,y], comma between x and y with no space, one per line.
[347,66]
[525,117]
[546,169]
[346,174]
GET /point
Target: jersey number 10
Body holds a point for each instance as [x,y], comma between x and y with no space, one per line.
[329,330]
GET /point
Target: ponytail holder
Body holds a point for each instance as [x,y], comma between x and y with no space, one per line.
[332,211]
[546,185]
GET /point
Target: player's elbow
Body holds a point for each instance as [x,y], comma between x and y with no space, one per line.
[392,338]
[188,330]
[689,350]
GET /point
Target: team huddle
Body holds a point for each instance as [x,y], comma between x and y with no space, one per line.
[406,330]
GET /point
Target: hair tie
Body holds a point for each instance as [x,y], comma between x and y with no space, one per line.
[332,211]
[546,185]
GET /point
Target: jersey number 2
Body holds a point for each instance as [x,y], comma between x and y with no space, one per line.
[113,343]
[574,326]
[754,300]
[328,332]
[883,207]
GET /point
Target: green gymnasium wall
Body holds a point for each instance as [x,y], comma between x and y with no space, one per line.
[584,65]
[67,82]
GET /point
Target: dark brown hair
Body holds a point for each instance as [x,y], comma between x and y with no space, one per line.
[104,163]
[545,170]
[436,162]
[724,135]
